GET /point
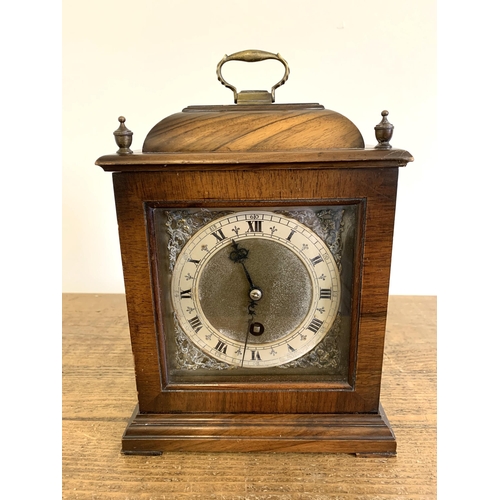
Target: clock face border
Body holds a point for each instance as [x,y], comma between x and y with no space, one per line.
[206,306]
[230,184]
[340,222]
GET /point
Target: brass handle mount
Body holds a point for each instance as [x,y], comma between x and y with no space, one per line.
[252,96]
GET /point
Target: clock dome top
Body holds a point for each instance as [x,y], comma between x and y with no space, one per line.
[252,127]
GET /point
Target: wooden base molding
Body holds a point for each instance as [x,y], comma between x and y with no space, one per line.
[365,434]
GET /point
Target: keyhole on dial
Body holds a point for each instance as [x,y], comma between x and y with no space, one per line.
[256,329]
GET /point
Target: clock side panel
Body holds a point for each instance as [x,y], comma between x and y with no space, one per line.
[374,291]
[134,192]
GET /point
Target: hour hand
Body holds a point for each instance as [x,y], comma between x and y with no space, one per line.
[238,255]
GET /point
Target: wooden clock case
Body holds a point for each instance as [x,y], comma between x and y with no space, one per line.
[257,156]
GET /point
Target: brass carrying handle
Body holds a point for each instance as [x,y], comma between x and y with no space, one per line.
[252,56]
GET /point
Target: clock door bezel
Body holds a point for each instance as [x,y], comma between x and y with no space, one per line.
[260,378]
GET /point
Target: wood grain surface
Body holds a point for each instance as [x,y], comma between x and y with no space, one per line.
[273,160]
[252,128]
[99,396]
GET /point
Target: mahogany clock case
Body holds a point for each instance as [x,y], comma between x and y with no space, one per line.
[287,164]
[374,188]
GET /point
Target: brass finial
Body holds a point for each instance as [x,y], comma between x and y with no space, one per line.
[383,132]
[123,137]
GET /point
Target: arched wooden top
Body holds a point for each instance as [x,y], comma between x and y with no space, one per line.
[252,128]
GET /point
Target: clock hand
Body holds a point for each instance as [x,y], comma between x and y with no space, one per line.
[246,340]
[238,255]
[256,329]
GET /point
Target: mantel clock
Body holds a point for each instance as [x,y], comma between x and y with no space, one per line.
[256,245]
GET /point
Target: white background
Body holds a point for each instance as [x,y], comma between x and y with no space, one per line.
[149,61]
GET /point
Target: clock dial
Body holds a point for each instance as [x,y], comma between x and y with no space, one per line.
[255,289]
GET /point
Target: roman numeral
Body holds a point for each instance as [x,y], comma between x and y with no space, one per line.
[290,348]
[325,293]
[219,235]
[254,226]
[256,356]
[221,347]
[316,260]
[186,294]
[289,237]
[194,261]
[315,325]
[195,324]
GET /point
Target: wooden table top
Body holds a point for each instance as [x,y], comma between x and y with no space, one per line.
[99,396]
